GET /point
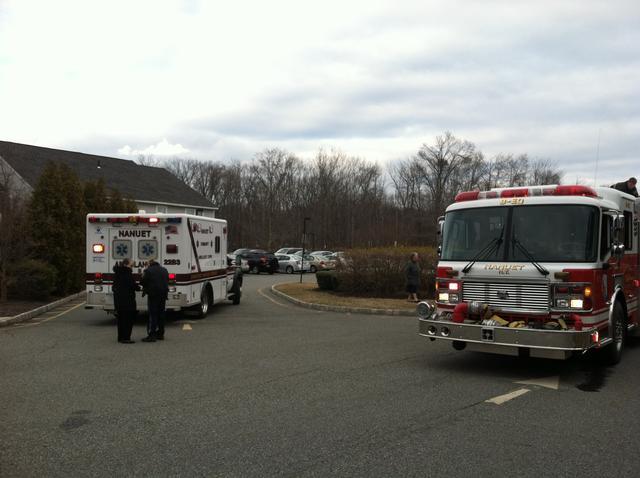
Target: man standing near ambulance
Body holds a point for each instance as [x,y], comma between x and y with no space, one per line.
[155,284]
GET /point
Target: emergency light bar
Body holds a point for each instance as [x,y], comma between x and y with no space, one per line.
[136,219]
[563,190]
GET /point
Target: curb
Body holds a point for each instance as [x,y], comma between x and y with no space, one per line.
[25,316]
[338,308]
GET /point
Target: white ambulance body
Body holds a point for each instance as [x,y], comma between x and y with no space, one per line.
[193,249]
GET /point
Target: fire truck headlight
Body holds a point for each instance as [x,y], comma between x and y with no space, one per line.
[562,303]
[425,309]
[576,303]
[454,298]
[443,297]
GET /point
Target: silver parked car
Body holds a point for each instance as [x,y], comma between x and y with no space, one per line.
[288,250]
[291,263]
[321,253]
[312,263]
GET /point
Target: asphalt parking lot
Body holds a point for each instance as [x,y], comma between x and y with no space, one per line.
[266,388]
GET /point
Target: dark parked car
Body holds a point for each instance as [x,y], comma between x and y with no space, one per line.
[258,260]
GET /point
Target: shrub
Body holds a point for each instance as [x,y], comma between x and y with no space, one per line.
[380,272]
[327,280]
[31,280]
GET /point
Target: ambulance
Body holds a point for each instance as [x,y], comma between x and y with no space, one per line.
[540,271]
[193,249]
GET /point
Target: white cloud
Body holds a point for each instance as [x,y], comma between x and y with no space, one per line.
[375,78]
[163,148]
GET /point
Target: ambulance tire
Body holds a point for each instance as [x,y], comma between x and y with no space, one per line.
[205,301]
[612,353]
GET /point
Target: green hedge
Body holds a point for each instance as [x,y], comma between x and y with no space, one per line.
[31,280]
[380,272]
[327,280]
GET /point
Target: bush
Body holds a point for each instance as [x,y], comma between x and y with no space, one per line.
[31,280]
[327,280]
[380,272]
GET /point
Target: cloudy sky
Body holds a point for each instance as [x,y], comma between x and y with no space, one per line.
[216,80]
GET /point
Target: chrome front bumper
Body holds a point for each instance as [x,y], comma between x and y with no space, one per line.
[562,340]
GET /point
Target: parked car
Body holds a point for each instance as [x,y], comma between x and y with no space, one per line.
[326,263]
[288,250]
[291,263]
[242,261]
[257,260]
[321,253]
[311,263]
[241,251]
[320,263]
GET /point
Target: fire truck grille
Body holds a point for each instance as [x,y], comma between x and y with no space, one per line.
[508,296]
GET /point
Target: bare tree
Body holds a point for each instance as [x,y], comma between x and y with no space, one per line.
[440,162]
[543,171]
[148,160]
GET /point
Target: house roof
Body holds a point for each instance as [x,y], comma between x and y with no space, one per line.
[141,183]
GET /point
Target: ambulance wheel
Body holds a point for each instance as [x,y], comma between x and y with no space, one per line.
[612,353]
[205,302]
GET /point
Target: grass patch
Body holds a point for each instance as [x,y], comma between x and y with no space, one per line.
[309,292]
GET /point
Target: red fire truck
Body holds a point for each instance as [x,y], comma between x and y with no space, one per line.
[541,271]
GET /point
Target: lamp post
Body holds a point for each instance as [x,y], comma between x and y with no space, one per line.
[304,236]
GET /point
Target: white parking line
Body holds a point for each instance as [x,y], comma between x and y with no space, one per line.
[500,399]
[261,292]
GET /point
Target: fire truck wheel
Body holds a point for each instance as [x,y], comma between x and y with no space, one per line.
[205,302]
[613,352]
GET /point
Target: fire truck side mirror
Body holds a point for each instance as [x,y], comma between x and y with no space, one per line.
[439,230]
[439,233]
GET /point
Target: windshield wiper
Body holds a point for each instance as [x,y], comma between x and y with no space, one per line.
[528,255]
[491,247]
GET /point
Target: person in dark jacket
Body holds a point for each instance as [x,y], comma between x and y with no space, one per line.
[412,272]
[155,283]
[124,300]
[628,186]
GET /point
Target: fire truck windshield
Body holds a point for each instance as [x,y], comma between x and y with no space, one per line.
[549,233]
